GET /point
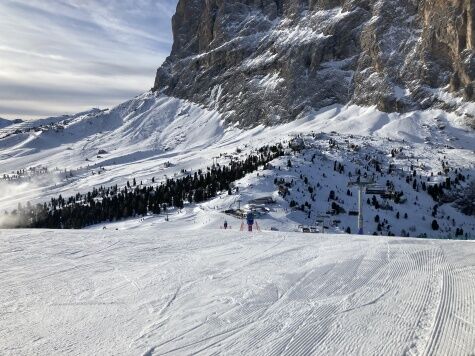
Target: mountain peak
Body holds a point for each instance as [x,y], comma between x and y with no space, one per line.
[268,62]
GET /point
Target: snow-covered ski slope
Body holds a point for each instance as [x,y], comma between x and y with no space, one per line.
[181,292]
[183,286]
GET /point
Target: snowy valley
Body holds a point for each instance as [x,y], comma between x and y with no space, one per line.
[153,138]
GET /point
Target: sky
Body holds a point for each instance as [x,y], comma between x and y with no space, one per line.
[66,56]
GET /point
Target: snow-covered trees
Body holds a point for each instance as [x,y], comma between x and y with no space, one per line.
[466,199]
[111,204]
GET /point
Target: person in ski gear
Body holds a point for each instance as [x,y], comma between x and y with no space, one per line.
[225,225]
[250,220]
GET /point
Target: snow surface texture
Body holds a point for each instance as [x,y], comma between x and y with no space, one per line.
[138,139]
[181,292]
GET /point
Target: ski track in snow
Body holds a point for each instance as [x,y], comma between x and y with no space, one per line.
[170,292]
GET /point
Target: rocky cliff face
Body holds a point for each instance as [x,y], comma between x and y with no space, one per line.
[267,61]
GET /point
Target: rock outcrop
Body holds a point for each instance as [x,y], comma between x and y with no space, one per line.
[268,61]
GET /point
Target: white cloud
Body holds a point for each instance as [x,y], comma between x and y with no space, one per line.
[71,55]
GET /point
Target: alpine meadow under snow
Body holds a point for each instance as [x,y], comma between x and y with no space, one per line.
[340,133]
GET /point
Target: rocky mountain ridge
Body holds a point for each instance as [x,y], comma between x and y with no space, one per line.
[269,61]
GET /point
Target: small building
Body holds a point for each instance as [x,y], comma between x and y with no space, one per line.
[376,190]
[262,200]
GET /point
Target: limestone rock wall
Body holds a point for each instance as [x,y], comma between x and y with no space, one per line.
[267,61]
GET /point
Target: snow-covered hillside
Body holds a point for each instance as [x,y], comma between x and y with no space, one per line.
[158,136]
[179,292]
[176,283]
[4,123]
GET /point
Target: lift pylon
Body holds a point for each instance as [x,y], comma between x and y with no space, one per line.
[361,188]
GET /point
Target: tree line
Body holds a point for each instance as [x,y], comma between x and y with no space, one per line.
[108,204]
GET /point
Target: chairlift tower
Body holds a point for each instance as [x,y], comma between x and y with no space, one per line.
[361,189]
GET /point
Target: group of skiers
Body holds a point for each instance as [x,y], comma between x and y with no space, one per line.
[249,220]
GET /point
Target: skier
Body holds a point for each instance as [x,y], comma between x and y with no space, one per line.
[250,220]
[225,225]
